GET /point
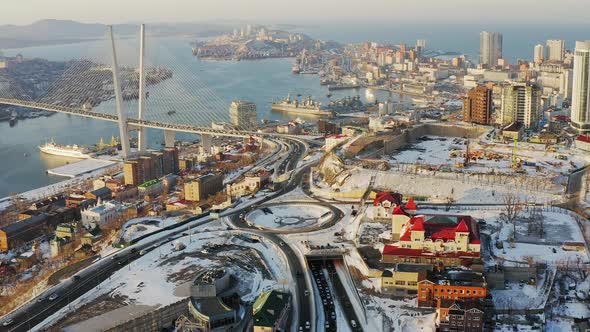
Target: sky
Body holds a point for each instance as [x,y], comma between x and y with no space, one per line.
[22,12]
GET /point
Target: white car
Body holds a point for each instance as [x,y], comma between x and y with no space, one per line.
[53,296]
[7,322]
[307,325]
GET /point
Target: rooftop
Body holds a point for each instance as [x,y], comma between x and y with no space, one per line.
[458,277]
[268,307]
[210,306]
[149,183]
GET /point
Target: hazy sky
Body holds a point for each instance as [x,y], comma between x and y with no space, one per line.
[294,11]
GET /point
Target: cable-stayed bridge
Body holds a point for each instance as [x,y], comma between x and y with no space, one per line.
[137,85]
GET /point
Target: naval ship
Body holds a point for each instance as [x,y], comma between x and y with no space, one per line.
[306,107]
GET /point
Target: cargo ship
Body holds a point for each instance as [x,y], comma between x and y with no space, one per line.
[72,151]
[306,107]
[343,86]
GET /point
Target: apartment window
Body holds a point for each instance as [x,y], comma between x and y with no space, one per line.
[449,291]
[412,283]
[476,318]
[468,291]
[455,291]
[400,282]
[462,291]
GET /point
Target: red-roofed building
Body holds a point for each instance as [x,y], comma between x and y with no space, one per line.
[433,236]
[384,203]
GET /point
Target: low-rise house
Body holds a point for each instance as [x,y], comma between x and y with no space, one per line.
[103,193]
[404,279]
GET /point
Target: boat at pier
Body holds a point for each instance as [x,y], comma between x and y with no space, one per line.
[307,106]
[72,151]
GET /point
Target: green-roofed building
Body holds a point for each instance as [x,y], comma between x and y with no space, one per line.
[271,310]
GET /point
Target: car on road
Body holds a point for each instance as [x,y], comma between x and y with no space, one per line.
[307,325]
[143,252]
[353,323]
[300,328]
[53,296]
[306,292]
[41,299]
[75,278]
[282,244]
[114,256]
[7,322]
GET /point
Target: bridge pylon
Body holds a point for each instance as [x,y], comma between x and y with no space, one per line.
[122,116]
[142,133]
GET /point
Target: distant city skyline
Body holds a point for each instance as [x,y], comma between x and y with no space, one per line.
[429,11]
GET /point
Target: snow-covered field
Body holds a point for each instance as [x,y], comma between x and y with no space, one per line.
[291,216]
[436,151]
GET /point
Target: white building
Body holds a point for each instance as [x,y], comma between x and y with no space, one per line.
[335,140]
[100,214]
[521,103]
[581,83]
[243,115]
[555,49]
[539,53]
[490,48]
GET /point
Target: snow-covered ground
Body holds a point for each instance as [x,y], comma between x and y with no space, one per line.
[80,167]
[138,227]
[163,275]
[436,151]
[291,216]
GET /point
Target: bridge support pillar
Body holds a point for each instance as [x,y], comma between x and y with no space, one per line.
[206,142]
[119,100]
[169,138]
[142,133]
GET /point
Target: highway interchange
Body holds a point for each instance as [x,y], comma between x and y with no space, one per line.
[286,159]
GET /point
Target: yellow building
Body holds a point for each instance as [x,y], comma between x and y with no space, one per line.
[404,279]
[203,187]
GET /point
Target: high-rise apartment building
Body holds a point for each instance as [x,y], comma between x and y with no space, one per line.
[150,166]
[243,115]
[539,53]
[490,48]
[555,49]
[580,88]
[477,106]
[521,103]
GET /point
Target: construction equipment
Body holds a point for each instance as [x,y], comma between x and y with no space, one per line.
[514,159]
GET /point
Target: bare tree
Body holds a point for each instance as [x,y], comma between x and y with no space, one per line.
[512,209]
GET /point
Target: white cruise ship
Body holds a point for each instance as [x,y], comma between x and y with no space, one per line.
[73,151]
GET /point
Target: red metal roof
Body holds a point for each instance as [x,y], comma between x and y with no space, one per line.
[398,211]
[410,205]
[441,231]
[418,224]
[583,138]
[462,228]
[382,197]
